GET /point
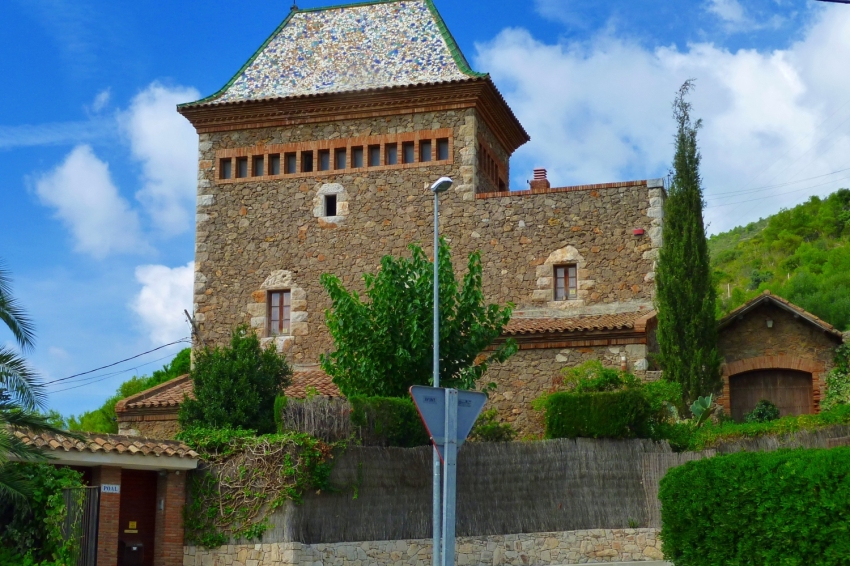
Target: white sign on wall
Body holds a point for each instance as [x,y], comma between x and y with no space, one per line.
[110,488]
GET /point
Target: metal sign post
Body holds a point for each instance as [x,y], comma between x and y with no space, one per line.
[449,416]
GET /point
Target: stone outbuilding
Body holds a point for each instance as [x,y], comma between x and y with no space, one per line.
[774,350]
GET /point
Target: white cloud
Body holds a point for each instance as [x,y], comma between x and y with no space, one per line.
[600,111]
[728,10]
[165,293]
[57,133]
[101,100]
[86,200]
[166,145]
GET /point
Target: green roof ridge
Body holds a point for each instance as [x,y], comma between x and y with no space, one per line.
[454,49]
[457,54]
[256,54]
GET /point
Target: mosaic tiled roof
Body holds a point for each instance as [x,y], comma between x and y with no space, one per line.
[383,43]
[107,444]
[766,297]
[171,393]
[623,321]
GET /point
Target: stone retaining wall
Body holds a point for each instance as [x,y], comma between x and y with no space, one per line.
[571,547]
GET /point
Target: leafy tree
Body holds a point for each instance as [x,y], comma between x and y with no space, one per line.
[103,419]
[687,328]
[21,397]
[385,345]
[236,386]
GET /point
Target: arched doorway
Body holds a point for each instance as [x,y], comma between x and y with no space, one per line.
[790,390]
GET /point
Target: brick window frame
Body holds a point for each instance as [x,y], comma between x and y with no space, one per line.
[492,169]
[278,312]
[443,135]
[565,282]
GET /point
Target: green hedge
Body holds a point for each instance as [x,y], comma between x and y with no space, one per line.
[388,421]
[787,508]
[607,414]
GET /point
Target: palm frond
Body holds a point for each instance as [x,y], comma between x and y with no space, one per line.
[14,486]
[19,380]
[13,314]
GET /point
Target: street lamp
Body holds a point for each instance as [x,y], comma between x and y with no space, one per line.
[440,185]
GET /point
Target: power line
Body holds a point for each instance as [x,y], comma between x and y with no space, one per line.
[99,378]
[181,341]
[779,194]
[766,187]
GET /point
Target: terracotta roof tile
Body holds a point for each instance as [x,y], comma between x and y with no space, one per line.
[316,379]
[107,443]
[767,296]
[583,323]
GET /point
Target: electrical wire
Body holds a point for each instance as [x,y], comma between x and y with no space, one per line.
[779,194]
[99,378]
[767,187]
[181,341]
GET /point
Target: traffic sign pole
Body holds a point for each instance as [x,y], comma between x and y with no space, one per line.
[449,478]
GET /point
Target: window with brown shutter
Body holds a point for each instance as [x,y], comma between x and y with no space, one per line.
[279,303]
[566,284]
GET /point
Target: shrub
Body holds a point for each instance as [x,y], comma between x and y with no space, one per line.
[790,507]
[838,380]
[764,411]
[593,377]
[488,429]
[31,534]
[607,414]
[236,386]
[388,421]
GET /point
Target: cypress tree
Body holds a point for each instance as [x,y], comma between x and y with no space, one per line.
[685,296]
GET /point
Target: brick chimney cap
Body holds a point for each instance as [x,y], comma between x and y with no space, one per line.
[539,173]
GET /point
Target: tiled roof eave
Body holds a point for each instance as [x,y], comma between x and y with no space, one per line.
[784,304]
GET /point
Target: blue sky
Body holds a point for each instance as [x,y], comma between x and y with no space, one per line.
[99,170]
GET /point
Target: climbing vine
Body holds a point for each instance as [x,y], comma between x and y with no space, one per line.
[244,478]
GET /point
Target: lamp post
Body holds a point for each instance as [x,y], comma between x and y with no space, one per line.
[440,185]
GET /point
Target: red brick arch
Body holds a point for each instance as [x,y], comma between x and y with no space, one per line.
[816,368]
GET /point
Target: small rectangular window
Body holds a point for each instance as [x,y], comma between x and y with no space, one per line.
[226,169]
[279,304]
[566,283]
[442,149]
[339,158]
[241,167]
[324,160]
[357,157]
[274,164]
[290,163]
[408,154]
[391,157]
[306,161]
[258,166]
[374,155]
[425,151]
[330,205]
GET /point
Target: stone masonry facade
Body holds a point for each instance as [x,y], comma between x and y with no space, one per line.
[253,230]
[542,549]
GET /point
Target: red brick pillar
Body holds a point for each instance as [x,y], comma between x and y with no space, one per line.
[170,497]
[110,507]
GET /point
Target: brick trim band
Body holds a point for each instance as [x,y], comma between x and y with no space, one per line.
[597,186]
[816,368]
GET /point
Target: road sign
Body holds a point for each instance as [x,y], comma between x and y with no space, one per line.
[431,403]
[448,415]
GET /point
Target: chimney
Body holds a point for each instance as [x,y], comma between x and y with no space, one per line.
[540,181]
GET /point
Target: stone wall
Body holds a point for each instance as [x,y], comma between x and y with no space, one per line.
[159,429]
[528,374]
[571,547]
[251,229]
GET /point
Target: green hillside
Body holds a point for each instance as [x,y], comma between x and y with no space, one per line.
[801,254]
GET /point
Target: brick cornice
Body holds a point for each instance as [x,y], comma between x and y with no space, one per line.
[772,362]
[560,340]
[480,94]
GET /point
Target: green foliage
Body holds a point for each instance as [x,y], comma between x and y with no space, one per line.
[800,254]
[385,345]
[685,295]
[591,376]
[764,412]
[245,477]
[702,409]
[606,414]
[31,533]
[103,418]
[713,434]
[236,386]
[487,428]
[838,380]
[790,508]
[388,421]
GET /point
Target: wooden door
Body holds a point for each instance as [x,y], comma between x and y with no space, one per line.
[138,513]
[789,390]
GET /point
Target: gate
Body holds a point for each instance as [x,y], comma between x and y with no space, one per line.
[789,390]
[80,523]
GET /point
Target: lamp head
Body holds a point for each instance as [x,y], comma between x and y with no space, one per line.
[441,185]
